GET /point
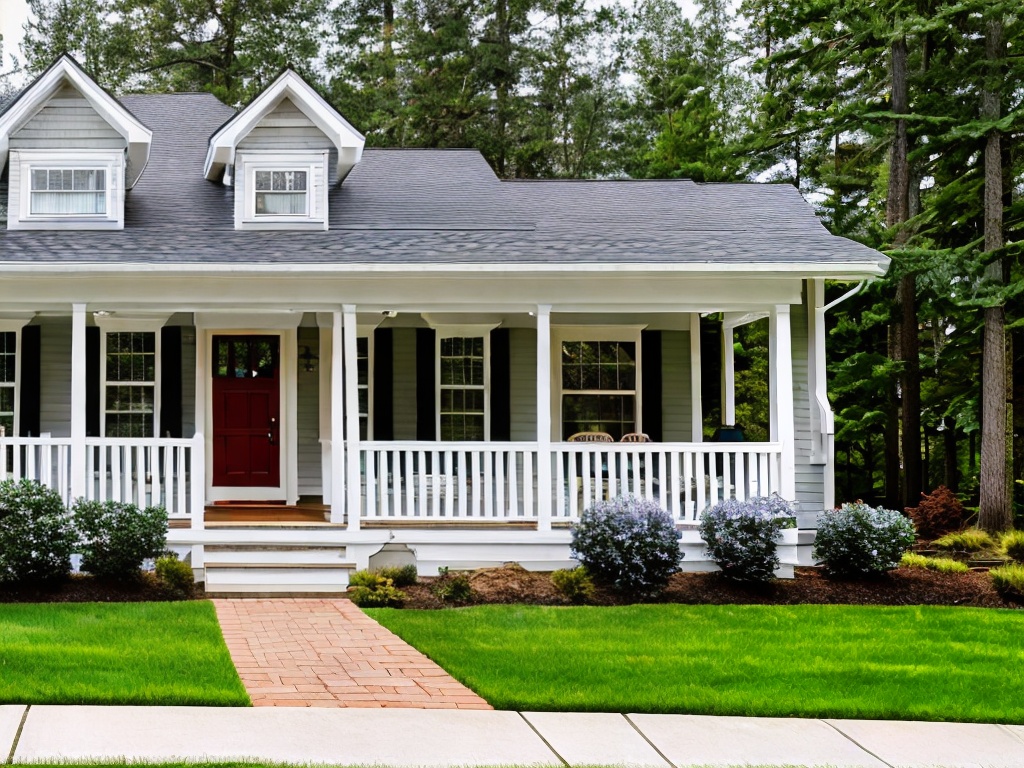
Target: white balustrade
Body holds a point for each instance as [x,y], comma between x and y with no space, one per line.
[47,460]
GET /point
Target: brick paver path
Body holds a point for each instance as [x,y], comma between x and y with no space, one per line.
[294,652]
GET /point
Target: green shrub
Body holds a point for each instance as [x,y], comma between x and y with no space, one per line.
[630,543]
[574,583]
[940,564]
[401,575]
[859,540]
[1012,545]
[938,512]
[971,540]
[452,587]
[1008,579]
[37,533]
[118,536]
[740,536]
[364,578]
[376,592]
[175,575]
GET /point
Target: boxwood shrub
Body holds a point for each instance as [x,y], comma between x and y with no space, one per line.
[37,535]
[860,540]
[117,537]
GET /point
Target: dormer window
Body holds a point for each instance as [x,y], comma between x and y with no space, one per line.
[281,193]
[68,192]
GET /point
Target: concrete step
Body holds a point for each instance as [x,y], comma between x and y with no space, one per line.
[279,570]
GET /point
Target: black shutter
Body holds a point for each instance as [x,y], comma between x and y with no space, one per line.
[426,405]
[170,381]
[501,385]
[650,353]
[711,368]
[383,384]
[31,379]
[92,381]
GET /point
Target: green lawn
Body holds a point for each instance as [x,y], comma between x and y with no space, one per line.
[116,653]
[919,663]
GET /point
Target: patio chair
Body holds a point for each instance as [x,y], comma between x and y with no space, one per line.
[591,437]
[635,437]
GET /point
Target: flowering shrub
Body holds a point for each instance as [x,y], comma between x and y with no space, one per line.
[630,543]
[740,536]
[859,540]
[37,535]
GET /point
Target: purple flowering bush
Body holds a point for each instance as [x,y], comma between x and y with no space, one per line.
[859,540]
[629,543]
[740,536]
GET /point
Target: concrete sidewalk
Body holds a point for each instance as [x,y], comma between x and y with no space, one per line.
[489,738]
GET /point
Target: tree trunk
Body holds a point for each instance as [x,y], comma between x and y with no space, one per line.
[995,512]
[892,438]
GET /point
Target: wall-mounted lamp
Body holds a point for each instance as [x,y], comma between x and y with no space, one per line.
[308,360]
[390,313]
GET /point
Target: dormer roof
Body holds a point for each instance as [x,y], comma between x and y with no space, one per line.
[138,137]
[346,139]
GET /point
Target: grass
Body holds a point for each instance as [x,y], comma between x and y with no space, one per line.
[940,564]
[971,540]
[912,663]
[117,653]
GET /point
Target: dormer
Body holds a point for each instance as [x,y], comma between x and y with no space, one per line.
[72,151]
[282,153]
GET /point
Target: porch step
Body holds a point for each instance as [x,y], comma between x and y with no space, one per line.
[255,569]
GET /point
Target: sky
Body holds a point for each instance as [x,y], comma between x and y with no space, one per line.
[13,14]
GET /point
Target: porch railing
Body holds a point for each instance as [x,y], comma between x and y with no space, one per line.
[499,481]
[47,460]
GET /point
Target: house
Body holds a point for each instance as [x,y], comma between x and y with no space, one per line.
[318,355]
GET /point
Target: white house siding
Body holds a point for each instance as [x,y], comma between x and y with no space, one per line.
[55,387]
[287,128]
[308,415]
[810,480]
[677,410]
[67,120]
[523,383]
[404,384]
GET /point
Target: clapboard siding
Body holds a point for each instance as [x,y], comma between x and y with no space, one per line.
[677,411]
[67,120]
[523,383]
[810,483]
[308,416]
[404,384]
[55,387]
[287,128]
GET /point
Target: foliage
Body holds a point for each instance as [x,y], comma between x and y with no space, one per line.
[175,575]
[1012,545]
[630,543]
[452,587]
[840,661]
[574,583]
[118,536]
[1009,579]
[971,540]
[859,540]
[940,564]
[37,534]
[371,590]
[939,512]
[740,536]
[401,575]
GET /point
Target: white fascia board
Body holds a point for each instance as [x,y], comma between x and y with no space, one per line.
[346,139]
[138,137]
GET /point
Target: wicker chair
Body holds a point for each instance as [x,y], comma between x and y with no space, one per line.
[635,437]
[591,437]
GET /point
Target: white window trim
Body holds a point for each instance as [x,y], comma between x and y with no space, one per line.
[104,383]
[307,193]
[310,162]
[75,214]
[630,333]
[110,163]
[465,332]
[16,384]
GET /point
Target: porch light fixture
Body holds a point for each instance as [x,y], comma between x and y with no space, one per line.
[308,360]
[101,313]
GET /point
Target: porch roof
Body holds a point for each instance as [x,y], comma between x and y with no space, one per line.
[444,207]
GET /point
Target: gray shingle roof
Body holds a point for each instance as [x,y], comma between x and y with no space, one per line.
[437,207]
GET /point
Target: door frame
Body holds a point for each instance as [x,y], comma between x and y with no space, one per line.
[285,326]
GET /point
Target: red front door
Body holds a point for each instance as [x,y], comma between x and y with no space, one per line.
[246,411]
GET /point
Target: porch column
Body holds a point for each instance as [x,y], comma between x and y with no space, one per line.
[544,487]
[696,406]
[202,462]
[781,395]
[355,502]
[337,423]
[728,376]
[78,404]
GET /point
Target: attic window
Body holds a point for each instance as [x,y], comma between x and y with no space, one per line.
[68,192]
[281,193]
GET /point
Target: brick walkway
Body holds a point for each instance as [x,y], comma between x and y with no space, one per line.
[294,652]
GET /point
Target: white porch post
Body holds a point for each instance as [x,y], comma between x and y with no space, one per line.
[78,404]
[781,394]
[728,377]
[199,453]
[352,448]
[337,423]
[544,488]
[696,406]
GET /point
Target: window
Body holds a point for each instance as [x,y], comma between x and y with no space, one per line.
[599,386]
[280,193]
[68,192]
[8,363]
[363,385]
[130,376]
[463,388]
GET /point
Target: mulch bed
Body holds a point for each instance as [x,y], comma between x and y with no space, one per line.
[82,588]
